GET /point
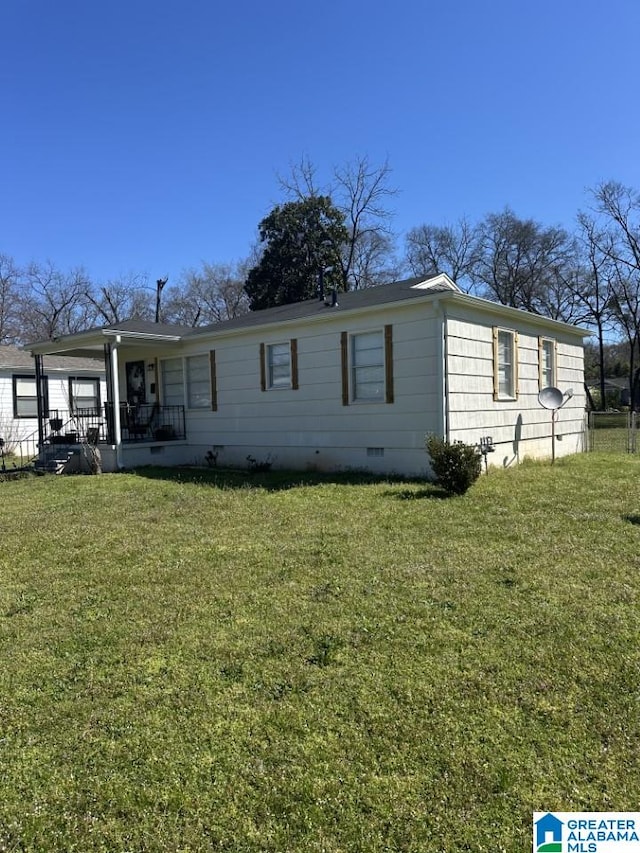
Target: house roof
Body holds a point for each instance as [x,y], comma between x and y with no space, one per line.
[368,297]
[436,287]
[615,383]
[13,358]
[147,327]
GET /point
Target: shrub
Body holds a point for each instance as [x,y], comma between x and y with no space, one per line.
[455,466]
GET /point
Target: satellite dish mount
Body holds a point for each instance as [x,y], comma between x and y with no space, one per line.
[553,399]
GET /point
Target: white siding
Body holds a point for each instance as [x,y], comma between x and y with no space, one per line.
[23,429]
[309,427]
[519,428]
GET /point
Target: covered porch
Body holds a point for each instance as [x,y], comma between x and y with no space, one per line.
[138,422]
[133,423]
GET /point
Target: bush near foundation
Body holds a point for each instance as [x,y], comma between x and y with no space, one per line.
[456,466]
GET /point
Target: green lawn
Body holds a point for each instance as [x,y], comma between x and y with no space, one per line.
[214,662]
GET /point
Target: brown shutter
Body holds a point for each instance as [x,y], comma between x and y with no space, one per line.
[344,359]
[540,362]
[388,363]
[263,370]
[213,380]
[516,370]
[294,363]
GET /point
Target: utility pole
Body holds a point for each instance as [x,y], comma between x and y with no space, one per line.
[160,283]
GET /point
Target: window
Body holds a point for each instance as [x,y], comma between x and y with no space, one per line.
[172,382]
[25,397]
[198,370]
[279,365]
[505,364]
[198,382]
[547,362]
[84,393]
[367,366]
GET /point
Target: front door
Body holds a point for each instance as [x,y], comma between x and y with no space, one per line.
[136,387]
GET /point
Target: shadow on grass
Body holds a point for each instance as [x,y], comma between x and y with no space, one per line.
[632,519]
[230,478]
[428,492]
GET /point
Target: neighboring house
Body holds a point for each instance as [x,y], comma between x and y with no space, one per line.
[616,391]
[67,384]
[351,382]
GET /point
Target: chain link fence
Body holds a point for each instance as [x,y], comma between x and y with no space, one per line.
[613,432]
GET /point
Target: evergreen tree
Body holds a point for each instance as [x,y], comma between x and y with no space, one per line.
[301,239]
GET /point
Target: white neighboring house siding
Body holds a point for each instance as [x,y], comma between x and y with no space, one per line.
[309,427]
[14,429]
[519,427]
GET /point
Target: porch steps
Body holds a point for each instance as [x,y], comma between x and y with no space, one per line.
[54,464]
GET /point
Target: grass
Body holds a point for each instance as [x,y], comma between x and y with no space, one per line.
[204,661]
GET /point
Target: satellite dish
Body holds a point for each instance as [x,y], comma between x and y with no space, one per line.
[551,398]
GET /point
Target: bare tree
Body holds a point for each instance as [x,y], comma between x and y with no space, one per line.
[593,287]
[374,261]
[619,205]
[51,302]
[450,249]
[617,239]
[523,264]
[9,292]
[128,297]
[210,294]
[361,192]
[626,311]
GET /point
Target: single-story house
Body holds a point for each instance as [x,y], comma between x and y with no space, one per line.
[67,386]
[616,389]
[353,381]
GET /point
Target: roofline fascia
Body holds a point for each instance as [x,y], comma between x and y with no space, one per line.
[62,344]
[490,307]
[143,336]
[48,371]
[95,337]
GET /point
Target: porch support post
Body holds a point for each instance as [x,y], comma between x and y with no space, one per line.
[115,386]
[40,399]
[108,403]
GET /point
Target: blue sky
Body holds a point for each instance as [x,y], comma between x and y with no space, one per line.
[147,136]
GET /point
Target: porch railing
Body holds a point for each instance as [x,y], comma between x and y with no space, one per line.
[20,452]
[142,422]
[146,422]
